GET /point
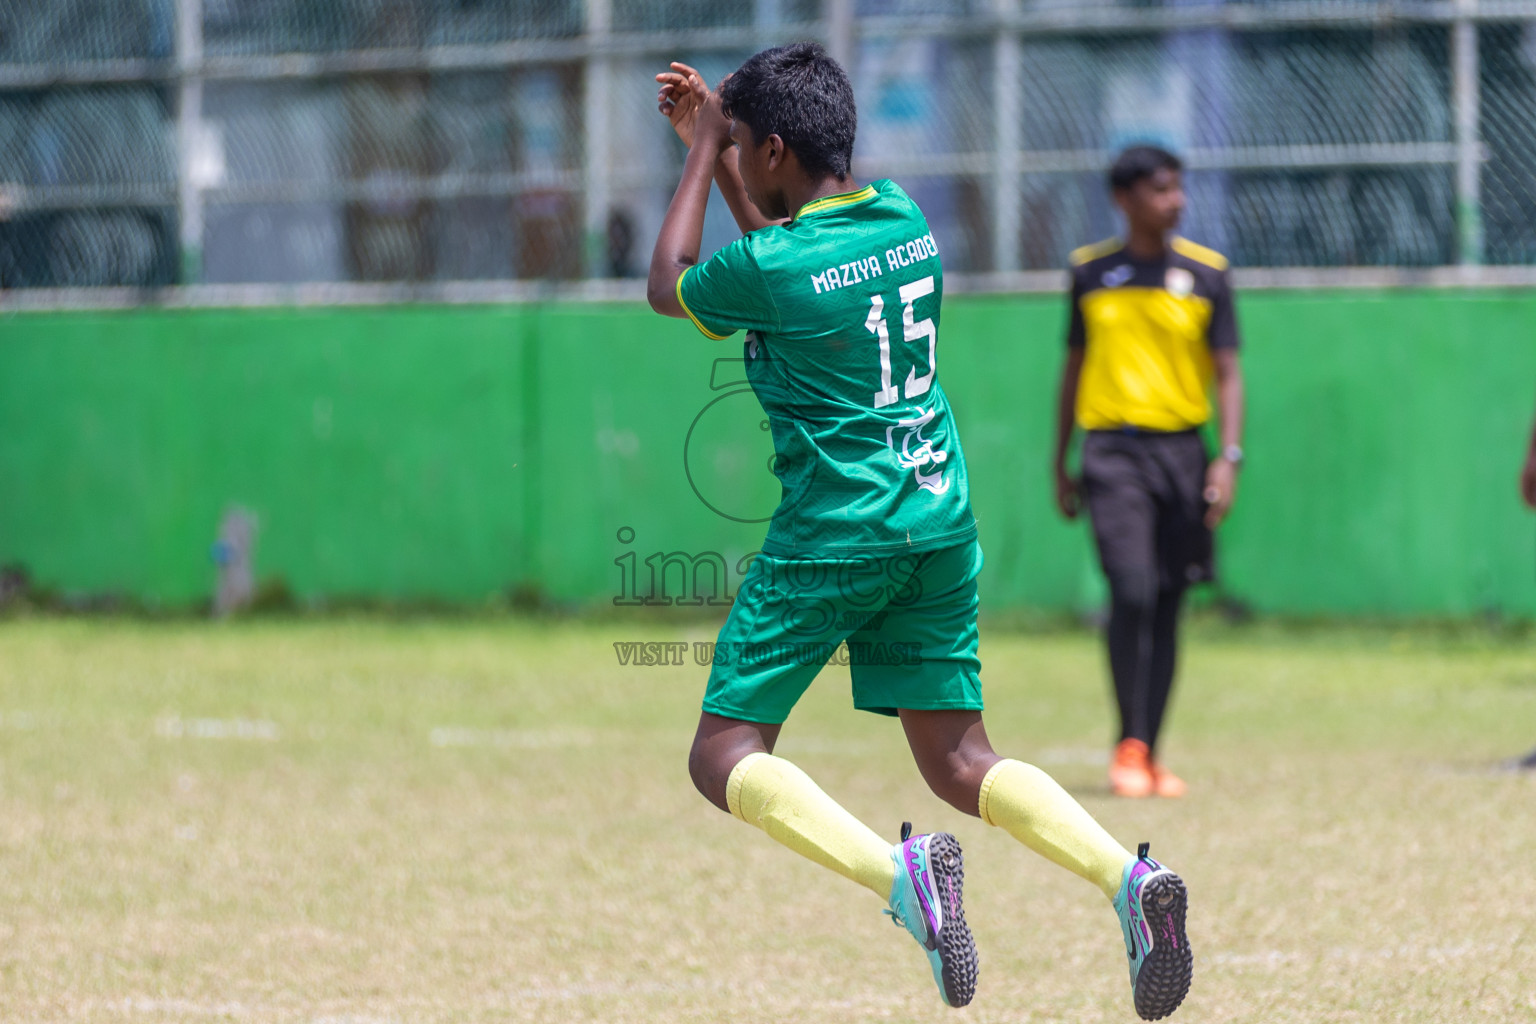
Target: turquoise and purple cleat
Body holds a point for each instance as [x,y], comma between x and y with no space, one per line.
[926,900]
[1152,903]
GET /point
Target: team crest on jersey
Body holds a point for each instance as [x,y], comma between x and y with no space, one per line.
[1118,276]
[917,452]
[1179,281]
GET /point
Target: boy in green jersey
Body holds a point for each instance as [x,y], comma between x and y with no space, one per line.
[873,544]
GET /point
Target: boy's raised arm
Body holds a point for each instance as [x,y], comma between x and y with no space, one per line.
[677,245]
[681,95]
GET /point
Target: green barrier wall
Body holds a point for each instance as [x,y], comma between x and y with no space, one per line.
[456,452]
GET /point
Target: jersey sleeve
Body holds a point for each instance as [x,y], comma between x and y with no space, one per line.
[727,293]
[1077,336]
[1222,332]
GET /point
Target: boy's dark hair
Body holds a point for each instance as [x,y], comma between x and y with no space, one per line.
[1139,162]
[799,93]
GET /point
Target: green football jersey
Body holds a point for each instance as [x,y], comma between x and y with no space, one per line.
[841,309]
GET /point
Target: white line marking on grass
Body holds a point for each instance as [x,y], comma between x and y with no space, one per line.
[22,720]
[1277,957]
[599,989]
[1073,755]
[1506,769]
[137,1005]
[508,739]
[175,727]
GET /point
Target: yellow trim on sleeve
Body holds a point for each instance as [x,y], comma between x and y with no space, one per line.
[711,335]
[832,202]
[1199,253]
[1089,253]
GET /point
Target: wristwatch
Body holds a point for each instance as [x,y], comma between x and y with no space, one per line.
[1233,454]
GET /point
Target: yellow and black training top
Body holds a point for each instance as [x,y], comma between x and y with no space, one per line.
[1148,329]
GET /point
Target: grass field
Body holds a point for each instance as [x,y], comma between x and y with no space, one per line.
[491,821]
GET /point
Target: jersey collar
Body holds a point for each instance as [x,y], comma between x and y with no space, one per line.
[833,202]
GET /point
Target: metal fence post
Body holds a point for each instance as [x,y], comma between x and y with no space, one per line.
[1007,109]
[838,15]
[598,175]
[1466,88]
[767,15]
[189,117]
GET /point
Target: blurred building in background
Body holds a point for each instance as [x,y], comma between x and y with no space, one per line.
[146,143]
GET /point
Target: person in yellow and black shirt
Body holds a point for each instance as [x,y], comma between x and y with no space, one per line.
[1528,492]
[1152,329]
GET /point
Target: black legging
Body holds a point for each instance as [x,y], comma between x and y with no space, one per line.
[1143,493]
[1143,649]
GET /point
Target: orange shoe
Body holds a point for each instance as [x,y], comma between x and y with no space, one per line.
[1165,783]
[1130,770]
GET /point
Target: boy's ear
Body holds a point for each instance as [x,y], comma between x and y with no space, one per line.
[776,152]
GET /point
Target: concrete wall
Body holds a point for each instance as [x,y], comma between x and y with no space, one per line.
[455,452]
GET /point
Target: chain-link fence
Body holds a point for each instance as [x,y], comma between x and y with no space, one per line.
[147,143]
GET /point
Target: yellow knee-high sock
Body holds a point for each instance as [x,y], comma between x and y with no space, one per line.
[780,799]
[1029,805]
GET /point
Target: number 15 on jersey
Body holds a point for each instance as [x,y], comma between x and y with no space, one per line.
[912,330]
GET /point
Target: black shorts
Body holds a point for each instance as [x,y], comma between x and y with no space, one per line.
[1145,494]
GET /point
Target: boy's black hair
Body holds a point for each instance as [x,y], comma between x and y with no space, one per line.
[799,93]
[1139,162]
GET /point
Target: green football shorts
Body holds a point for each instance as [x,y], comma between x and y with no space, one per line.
[904,624]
